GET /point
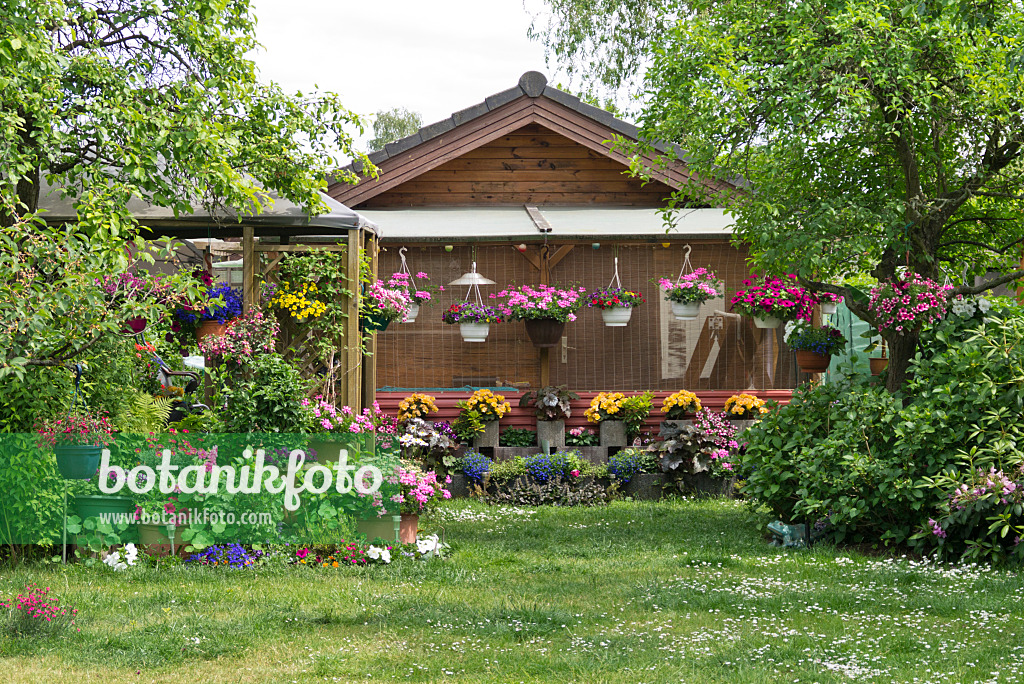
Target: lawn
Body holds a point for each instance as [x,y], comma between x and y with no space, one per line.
[633,592]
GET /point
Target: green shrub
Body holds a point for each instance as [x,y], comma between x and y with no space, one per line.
[268,398]
[517,437]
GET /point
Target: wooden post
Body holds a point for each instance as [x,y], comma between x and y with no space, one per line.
[351,395]
[369,379]
[248,268]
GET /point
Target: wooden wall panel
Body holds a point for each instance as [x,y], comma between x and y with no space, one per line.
[534,165]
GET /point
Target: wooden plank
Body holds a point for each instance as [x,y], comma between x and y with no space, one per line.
[497,174]
[533,152]
[350,385]
[512,186]
[248,268]
[369,378]
[514,199]
[517,166]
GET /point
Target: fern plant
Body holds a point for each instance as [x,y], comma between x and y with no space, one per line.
[144,413]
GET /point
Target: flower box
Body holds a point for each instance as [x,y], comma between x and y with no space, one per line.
[489,437]
[613,433]
[552,432]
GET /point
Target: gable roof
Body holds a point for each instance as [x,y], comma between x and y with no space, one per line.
[530,101]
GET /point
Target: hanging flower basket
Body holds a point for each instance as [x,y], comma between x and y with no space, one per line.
[77,461]
[414,311]
[770,297]
[374,322]
[685,311]
[767,322]
[616,316]
[136,325]
[474,332]
[812,362]
[828,308]
[878,364]
[544,332]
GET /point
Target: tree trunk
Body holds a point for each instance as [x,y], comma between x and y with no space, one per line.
[901,350]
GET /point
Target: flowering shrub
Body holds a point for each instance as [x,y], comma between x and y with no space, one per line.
[233,556]
[470,312]
[35,612]
[609,297]
[416,405]
[825,340]
[299,303]
[389,303]
[423,441]
[487,404]
[581,436]
[965,307]
[908,304]
[475,465]
[693,288]
[543,301]
[745,406]
[417,292]
[223,303]
[773,297]
[604,406]
[254,333]
[78,429]
[419,492]
[676,406]
[319,416]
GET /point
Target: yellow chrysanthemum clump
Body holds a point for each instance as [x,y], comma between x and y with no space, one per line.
[416,405]
[488,404]
[745,406]
[301,303]
[679,404]
[605,405]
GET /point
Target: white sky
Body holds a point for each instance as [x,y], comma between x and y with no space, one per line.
[434,57]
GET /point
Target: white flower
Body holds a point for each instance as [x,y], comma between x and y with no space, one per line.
[378,553]
[430,545]
[122,558]
[984,304]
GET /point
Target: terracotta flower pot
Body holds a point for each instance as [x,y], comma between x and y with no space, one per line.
[878,365]
[812,362]
[407,530]
[207,328]
[544,332]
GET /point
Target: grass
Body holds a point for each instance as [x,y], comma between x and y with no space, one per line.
[633,592]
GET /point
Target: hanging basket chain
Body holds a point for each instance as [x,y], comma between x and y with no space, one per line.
[615,278]
[687,266]
[404,268]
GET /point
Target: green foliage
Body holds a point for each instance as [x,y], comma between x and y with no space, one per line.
[40,393]
[634,412]
[393,124]
[503,471]
[517,437]
[143,413]
[551,403]
[468,424]
[877,466]
[268,398]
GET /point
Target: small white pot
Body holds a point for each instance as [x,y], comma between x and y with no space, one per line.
[828,308]
[769,322]
[474,332]
[616,316]
[414,311]
[685,312]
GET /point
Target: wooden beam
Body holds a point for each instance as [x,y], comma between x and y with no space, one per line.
[350,389]
[545,366]
[369,379]
[248,268]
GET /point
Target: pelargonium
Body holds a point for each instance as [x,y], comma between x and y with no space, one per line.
[906,304]
[418,491]
[416,288]
[695,287]
[773,297]
[391,303]
[542,301]
[254,333]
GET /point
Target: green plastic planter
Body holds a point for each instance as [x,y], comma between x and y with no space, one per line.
[77,461]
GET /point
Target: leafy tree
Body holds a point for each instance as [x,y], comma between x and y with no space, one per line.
[394,124]
[876,138]
[110,99]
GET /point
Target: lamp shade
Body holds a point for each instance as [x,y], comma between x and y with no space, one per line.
[472,278]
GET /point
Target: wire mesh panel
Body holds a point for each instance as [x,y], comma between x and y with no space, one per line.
[717,351]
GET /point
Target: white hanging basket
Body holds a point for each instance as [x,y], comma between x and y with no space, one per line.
[616,316]
[768,322]
[828,308]
[685,312]
[414,311]
[474,332]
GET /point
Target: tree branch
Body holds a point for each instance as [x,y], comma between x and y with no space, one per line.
[988,284]
[990,248]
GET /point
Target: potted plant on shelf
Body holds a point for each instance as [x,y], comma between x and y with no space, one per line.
[814,347]
[77,442]
[380,305]
[416,288]
[771,300]
[581,437]
[552,406]
[680,406]
[616,304]
[544,309]
[487,408]
[420,493]
[689,291]
[745,408]
[474,320]
[606,410]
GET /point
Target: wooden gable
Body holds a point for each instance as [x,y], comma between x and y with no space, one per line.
[531,165]
[532,144]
